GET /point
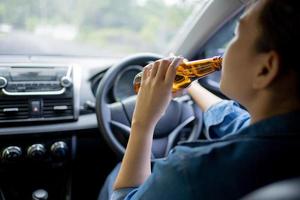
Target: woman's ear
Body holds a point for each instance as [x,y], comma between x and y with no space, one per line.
[267,71]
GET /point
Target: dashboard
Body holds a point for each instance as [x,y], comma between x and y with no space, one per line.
[70,84]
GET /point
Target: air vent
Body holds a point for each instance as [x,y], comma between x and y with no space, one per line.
[58,108]
[14,109]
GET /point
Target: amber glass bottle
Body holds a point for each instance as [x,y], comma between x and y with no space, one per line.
[188,71]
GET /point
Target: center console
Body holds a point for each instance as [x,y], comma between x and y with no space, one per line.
[37,165]
[34,163]
[38,93]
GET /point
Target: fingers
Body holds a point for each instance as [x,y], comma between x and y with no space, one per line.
[154,69]
[163,67]
[146,73]
[171,71]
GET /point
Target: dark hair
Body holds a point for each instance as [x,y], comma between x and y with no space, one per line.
[278,21]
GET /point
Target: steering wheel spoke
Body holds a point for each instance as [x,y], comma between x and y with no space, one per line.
[121,128]
[118,114]
[174,135]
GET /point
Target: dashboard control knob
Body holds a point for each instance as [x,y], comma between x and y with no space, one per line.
[66,81]
[3,82]
[11,153]
[59,149]
[40,194]
[36,151]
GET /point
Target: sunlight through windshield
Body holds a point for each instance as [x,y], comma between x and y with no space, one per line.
[111,28]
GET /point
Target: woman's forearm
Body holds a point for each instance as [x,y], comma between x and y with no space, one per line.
[152,101]
[136,164]
[202,96]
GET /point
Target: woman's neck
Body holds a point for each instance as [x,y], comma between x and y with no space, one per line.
[271,105]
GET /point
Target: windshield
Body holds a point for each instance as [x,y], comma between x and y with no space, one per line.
[111,28]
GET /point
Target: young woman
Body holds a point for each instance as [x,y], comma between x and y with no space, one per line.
[260,71]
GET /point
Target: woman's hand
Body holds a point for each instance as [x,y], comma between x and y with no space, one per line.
[155,91]
[154,95]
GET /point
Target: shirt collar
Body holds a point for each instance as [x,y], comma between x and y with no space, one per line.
[279,125]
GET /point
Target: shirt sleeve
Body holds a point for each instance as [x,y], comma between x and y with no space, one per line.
[124,193]
[224,118]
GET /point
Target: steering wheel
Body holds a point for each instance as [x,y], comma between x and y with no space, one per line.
[114,119]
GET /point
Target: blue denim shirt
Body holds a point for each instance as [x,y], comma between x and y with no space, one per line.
[224,118]
[226,168]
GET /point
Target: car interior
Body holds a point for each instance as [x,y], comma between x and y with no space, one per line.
[65,117]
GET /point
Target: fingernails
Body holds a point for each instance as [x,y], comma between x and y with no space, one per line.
[172,58]
[179,59]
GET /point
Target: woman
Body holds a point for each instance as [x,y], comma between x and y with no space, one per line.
[261,73]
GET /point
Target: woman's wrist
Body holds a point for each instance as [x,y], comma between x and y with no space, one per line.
[142,127]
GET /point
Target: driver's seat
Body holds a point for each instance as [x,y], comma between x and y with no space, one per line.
[287,189]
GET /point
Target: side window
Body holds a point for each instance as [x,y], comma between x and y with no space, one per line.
[216,46]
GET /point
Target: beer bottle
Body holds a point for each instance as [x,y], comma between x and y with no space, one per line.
[188,72]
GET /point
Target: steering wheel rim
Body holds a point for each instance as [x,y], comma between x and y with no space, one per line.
[105,112]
